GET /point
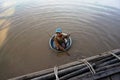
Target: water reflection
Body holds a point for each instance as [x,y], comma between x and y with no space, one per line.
[3,35]
[25,24]
[8,10]
[7,13]
[8,4]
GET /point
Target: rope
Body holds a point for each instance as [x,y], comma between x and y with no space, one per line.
[111,51]
[115,55]
[56,72]
[89,66]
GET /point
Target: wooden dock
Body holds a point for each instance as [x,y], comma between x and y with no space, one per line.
[105,66]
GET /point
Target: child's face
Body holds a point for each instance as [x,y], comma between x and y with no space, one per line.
[59,34]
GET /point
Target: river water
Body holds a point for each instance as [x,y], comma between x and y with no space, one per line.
[26,26]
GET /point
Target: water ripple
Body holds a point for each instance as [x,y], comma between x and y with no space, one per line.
[94,29]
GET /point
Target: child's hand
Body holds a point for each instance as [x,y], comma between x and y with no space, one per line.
[61,48]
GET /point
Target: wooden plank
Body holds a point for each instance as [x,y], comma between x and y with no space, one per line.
[110,62]
[101,73]
[115,77]
[107,78]
[107,67]
[85,76]
[75,73]
[47,71]
[88,77]
[107,73]
[115,55]
[65,77]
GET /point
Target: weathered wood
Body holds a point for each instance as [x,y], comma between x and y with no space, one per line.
[88,75]
[85,78]
[103,75]
[107,73]
[52,76]
[81,76]
[60,73]
[106,78]
[103,55]
[69,67]
[88,78]
[103,59]
[75,73]
[107,67]
[115,76]
[115,55]
[109,62]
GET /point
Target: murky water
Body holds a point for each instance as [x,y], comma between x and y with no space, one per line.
[25,26]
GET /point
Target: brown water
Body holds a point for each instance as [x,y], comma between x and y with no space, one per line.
[25,26]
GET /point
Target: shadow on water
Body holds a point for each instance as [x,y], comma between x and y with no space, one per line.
[24,28]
